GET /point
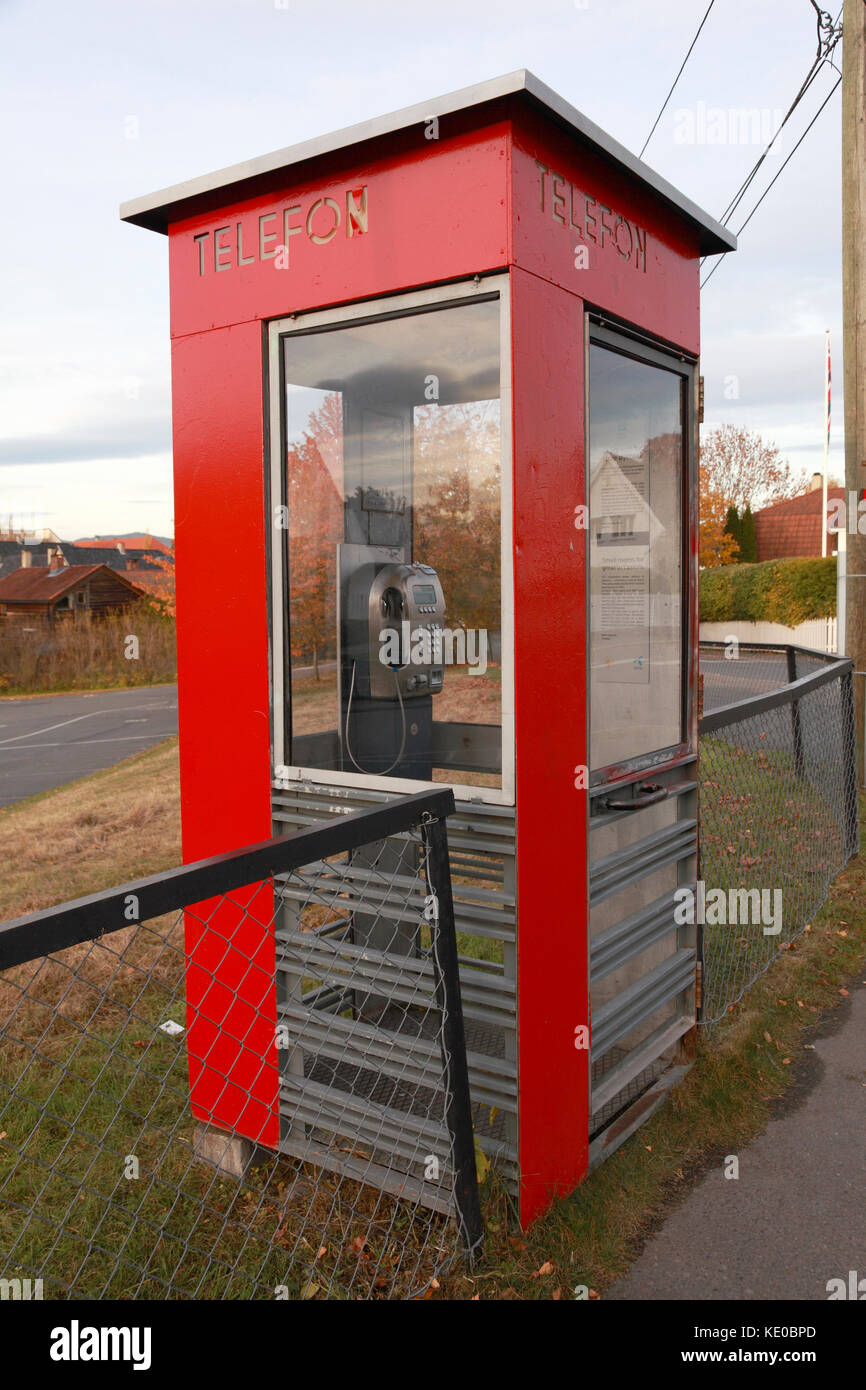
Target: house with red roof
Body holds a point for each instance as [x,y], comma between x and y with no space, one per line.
[793,527]
[45,595]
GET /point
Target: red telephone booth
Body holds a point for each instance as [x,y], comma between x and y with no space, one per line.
[434,399]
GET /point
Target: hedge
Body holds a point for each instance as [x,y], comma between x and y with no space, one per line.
[776,591]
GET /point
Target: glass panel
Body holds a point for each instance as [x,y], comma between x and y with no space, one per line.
[393,498]
[635,547]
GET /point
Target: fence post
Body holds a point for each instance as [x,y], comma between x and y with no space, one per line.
[849,743]
[446,976]
[795,712]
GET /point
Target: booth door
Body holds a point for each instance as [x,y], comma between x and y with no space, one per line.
[643,826]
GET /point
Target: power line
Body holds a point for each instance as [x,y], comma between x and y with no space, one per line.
[677,78]
[773,180]
[828,36]
[747,182]
[829,33]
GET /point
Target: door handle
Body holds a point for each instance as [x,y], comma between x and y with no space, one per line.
[648,793]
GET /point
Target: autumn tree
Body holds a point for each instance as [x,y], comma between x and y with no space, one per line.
[457,506]
[737,470]
[159,588]
[316,524]
[315,517]
[738,467]
[717,545]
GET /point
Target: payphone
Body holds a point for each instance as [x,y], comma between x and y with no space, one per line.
[391,627]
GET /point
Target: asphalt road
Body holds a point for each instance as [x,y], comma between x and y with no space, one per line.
[50,740]
[795,1218]
[726,682]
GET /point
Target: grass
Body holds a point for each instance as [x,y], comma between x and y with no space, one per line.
[761,825]
[89,653]
[115,825]
[185,1228]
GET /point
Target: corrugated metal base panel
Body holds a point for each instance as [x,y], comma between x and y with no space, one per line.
[629,1093]
[352,1099]
[630,1117]
[363,1078]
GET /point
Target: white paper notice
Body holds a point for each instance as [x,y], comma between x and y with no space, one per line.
[621,571]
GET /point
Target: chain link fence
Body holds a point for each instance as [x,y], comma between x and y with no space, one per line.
[778,805]
[243,1079]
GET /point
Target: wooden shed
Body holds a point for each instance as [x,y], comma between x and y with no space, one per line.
[45,595]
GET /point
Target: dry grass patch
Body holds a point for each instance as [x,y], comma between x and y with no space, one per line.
[116,825]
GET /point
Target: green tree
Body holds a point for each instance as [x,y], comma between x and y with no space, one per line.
[734,527]
[748,541]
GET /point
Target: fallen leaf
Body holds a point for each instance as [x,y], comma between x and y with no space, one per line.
[434,1283]
[556,1295]
[322,1250]
[482,1166]
[843,991]
[545,1269]
[309,1290]
[767,1037]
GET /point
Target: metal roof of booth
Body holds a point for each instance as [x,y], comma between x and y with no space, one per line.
[157,210]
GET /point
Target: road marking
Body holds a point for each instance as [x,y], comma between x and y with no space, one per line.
[84,742]
[93,714]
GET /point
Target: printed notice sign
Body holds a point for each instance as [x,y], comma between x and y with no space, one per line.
[620,559]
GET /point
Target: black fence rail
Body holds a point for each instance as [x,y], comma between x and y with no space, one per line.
[244,1078]
[778,804]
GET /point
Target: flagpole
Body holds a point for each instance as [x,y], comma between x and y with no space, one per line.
[826,442]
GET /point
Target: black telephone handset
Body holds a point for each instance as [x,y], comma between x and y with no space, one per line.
[391,605]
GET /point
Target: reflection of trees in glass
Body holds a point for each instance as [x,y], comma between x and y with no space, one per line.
[315,509]
[457,506]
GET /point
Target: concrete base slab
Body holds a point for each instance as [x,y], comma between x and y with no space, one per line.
[230,1154]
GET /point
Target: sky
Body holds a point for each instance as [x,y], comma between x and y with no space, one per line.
[102,101]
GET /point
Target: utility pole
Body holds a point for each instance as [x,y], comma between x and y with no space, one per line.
[854,337]
[826,443]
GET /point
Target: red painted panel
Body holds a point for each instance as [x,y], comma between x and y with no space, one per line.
[433,210]
[231,1013]
[550,660]
[641,258]
[223,715]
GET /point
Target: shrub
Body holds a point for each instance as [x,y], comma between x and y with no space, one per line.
[776,591]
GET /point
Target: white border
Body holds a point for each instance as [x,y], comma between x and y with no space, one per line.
[396,304]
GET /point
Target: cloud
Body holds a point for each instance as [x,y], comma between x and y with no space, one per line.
[131,440]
